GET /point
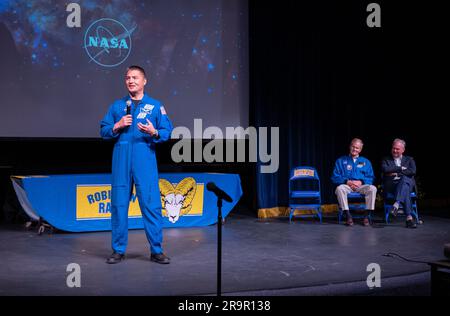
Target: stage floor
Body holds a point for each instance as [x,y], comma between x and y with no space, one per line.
[260,257]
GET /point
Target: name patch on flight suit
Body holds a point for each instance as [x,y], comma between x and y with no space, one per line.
[361,164]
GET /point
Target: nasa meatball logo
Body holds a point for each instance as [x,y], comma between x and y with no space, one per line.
[107,42]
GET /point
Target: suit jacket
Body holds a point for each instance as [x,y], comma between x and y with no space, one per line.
[388,166]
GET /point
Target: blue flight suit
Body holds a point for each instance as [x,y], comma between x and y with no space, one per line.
[345,169]
[134,162]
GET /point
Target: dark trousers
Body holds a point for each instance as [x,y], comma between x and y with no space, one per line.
[401,189]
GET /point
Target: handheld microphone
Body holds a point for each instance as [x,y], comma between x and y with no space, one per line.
[211,186]
[128,107]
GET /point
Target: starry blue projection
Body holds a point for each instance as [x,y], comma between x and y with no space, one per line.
[63,79]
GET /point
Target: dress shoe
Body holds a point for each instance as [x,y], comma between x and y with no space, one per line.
[160,258]
[115,258]
[366,222]
[410,224]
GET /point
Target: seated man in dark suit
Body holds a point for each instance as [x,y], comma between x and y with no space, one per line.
[398,179]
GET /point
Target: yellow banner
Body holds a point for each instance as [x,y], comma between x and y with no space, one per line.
[185,198]
[303,172]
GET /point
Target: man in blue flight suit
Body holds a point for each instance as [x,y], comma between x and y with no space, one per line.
[353,173]
[136,123]
[398,179]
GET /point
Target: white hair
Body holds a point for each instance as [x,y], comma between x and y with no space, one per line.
[357,140]
[401,141]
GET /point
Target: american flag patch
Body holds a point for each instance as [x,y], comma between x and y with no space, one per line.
[163,111]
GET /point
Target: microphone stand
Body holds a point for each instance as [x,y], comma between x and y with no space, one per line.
[219,246]
[221,195]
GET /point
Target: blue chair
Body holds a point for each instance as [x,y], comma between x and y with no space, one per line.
[304,191]
[356,202]
[389,200]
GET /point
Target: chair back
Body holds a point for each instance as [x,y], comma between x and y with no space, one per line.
[304,172]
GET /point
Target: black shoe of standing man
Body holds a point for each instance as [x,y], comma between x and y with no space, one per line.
[160,258]
[115,258]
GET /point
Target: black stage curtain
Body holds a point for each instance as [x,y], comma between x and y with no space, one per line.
[321,75]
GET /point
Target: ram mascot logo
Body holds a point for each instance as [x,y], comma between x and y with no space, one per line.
[177,201]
